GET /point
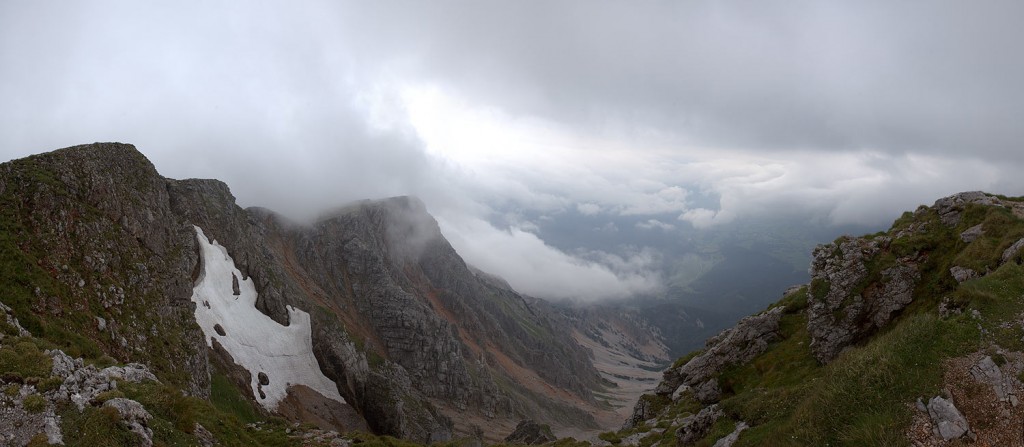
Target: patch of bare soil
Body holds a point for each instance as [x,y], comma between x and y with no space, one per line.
[994,421]
[306,405]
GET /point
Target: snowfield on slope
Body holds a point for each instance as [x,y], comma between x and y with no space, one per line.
[255,341]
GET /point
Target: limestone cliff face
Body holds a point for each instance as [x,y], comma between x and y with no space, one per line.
[410,334]
[413,301]
[93,249]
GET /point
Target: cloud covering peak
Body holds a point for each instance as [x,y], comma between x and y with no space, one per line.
[678,115]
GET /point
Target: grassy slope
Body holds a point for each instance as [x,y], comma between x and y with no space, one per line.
[865,396]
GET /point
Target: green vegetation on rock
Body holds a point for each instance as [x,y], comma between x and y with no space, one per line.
[866,395]
[23,358]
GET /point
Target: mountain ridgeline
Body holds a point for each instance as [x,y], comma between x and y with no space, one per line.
[98,258]
[130,302]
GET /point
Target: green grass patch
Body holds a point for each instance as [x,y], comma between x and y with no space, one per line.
[96,427]
[22,357]
[773,384]
[175,416]
[1001,230]
[34,403]
[107,395]
[12,390]
[49,384]
[371,440]
[794,302]
[722,428]
[820,288]
[999,297]
[225,396]
[39,440]
[569,442]
[611,437]
[861,398]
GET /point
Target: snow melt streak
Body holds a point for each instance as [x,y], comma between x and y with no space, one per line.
[254,340]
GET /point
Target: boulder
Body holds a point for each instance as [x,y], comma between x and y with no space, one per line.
[961,274]
[63,364]
[1004,386]
[1012,251]
[135,416]
[708,392]
[971,234]
[132,372]
[948,422]
[696,427]
[51,429]
[529,432]
[680,391]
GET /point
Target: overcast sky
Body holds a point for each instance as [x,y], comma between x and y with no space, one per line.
[854,111]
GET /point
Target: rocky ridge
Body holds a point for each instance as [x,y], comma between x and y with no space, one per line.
[921,325]
[32,407]
[100,257]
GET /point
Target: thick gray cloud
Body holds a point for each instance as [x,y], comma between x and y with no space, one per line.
[887,76]
[708,111]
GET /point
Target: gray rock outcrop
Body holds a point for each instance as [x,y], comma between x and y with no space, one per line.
[950,208]
[736,345]
[12,321]
[971,234]
[99,220]
[135,416]
[1004,386]
[961,274]
[847,304]
[1012,251]
[83,383]
[948,422]
[750,337]
[642,411]
[695,427]
[32,408]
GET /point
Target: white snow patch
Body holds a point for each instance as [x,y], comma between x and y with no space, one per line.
[254,340]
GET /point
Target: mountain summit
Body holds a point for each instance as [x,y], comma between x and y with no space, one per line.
[366,319]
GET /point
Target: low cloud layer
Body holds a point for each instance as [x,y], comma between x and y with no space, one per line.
[707,111]
[535,268]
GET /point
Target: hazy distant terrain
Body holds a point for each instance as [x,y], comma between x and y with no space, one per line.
[708,278]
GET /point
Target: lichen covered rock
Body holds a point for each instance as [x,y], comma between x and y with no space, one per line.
[847,301]
[695,427]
